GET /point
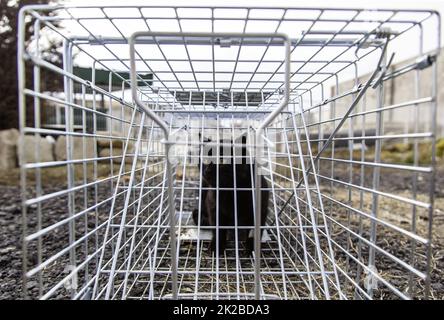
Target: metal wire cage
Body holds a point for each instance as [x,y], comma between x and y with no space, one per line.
[307,87]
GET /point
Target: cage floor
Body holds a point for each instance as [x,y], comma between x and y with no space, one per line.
[202,275]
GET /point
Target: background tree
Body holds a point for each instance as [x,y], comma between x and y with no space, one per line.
[8,63]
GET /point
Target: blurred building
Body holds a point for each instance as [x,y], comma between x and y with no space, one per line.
[398,90]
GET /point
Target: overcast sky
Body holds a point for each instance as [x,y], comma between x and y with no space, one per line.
[403,49]
[372,4]
[325,3]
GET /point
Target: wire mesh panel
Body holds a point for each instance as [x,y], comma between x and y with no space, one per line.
[219,152]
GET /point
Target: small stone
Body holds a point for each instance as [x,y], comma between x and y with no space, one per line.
[10,208]
[31,284]
[437,286]
[7,249]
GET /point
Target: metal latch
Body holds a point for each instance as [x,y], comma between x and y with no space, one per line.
[425,61]
[224,42]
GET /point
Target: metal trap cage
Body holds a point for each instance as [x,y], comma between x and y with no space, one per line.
[146,87]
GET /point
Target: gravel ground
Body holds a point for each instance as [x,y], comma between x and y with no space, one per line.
[10,234]
[10,247]
[400,183]
[10,242]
